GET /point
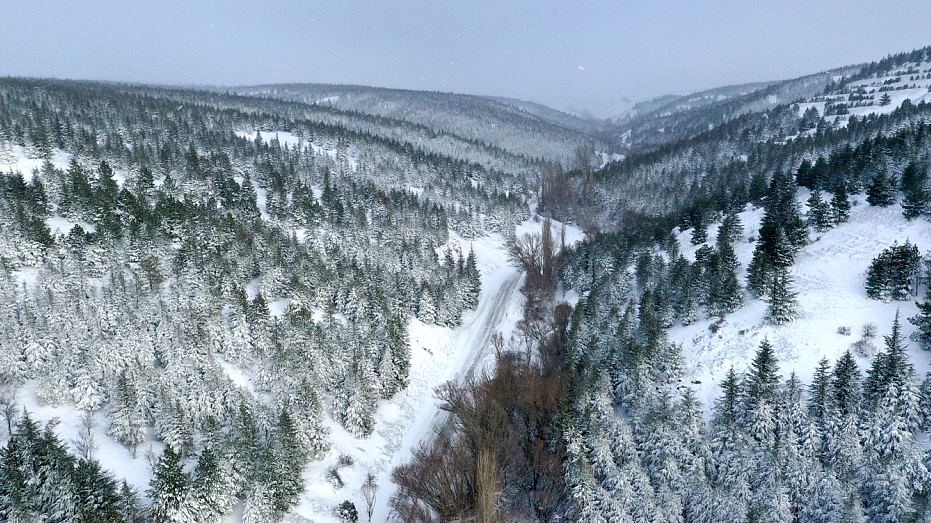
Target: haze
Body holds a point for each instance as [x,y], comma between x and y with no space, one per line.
[582,55]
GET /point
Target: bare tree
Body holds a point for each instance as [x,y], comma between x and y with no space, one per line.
[525,252]
[86,444]
[369,489]
[8,407]
[556,190]
[536,255]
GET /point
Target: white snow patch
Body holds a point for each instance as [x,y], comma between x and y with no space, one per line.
[19,161]
[60,225]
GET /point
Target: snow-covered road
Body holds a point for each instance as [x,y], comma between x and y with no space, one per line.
[438,355]
[402,423]
[498,309]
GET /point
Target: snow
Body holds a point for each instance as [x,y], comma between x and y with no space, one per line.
[829,274]
[19,161]
[261,200]
[279,307]
[112,455]
[253,287]
[60,225]
[606,158]
[285,138]
[27,277]
[327,100]
[862,96]
[236,375]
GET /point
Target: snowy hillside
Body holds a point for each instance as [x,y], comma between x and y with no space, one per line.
[521,128]
[881,93]
[829,277]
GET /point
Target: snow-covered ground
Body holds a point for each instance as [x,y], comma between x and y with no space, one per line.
[62,226]
[112,455]
[17,159]
[829,274]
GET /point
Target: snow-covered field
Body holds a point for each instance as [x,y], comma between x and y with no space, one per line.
[829,274]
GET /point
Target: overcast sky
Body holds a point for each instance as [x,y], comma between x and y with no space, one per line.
[568,54]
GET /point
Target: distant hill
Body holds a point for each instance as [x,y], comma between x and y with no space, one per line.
[524,128]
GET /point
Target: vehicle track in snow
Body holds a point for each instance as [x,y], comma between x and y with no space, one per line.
[471,350]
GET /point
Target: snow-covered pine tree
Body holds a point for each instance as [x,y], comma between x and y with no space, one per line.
[728,293]
[882,189]
[169,489]
[840,205]
[819,212]
[782,304]
[127,421]
[761,382]
[916,198]
[922,322]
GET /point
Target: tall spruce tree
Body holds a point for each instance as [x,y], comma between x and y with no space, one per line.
[922,322]
[819,212]
[882,189]
[840,205]
[782,304]
[916,193]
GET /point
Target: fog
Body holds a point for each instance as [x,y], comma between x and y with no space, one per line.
[588,55]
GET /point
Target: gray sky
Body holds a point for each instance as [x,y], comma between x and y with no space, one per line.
[579,54]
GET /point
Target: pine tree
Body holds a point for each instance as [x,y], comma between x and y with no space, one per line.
[819,212]
[894,273]
[882,189]
[819,394]
[169,489]
[731,228]
[426,308]
[922,322]
[783,306]
[762,380]
[845,386]
[878,279]
[288,459]
[126,419]
[759,272]
[727,406]
[129,507]
[840,205]
[728,292]
[916,194]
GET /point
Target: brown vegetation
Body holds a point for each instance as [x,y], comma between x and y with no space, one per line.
[499,458]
